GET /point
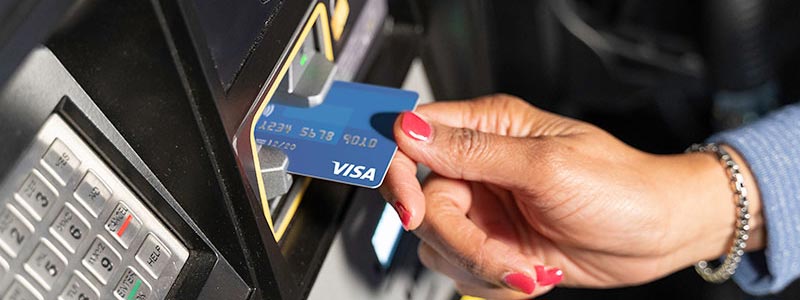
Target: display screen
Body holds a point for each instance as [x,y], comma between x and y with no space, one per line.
[387,236]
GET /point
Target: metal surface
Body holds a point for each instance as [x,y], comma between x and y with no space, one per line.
[40,87]
[58,258]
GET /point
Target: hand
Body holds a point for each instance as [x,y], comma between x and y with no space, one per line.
[521,197]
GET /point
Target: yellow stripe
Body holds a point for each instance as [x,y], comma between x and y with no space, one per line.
[470,298]
[319,12]
[339,18]
[292,210]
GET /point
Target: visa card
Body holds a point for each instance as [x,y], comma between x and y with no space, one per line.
[348,138]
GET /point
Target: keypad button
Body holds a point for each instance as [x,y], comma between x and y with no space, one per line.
[153,256]
[69,229]
[20,291]
[101,260]
[132,286]
[13,230]
[93,193]
[78,288]
[60,161]
[36,195]
[45,265]
[123,225]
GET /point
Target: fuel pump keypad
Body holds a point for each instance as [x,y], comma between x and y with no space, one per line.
[71,229]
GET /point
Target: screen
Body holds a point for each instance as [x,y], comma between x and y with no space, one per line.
[387,236]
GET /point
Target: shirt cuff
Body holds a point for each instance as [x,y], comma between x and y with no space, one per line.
[771,148]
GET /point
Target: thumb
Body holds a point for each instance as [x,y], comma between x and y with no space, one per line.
[464,153]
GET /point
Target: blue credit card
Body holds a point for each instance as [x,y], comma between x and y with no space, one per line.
[348,138]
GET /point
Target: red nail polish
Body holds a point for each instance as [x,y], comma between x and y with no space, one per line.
[402,212]
[548,276]
[415,127]
[520,282]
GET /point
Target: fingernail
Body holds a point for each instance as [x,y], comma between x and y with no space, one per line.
[415,127]
[402,212]
[520,282]
[549,276]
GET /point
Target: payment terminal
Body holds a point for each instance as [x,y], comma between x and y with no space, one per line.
[130,167]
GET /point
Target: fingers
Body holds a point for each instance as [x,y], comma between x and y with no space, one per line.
[473,141]
[402,190]
[462,244]
[468,284]
[467,154]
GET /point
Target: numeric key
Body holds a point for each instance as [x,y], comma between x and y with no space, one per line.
[101,260]
[45,265]
[13,230]
[20,291]
[36,195]
[78,288]
[69,228]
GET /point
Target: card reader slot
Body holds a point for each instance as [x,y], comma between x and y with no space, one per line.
[315,38]
[310,73]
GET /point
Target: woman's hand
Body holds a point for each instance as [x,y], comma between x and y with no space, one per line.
[519,195]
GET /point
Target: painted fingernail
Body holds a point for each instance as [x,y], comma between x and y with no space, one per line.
[402,212]
[415,127]
[551,276]
[520,282]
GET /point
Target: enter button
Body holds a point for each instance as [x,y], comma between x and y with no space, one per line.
[153,256]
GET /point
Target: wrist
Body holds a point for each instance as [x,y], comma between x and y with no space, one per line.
[709,208]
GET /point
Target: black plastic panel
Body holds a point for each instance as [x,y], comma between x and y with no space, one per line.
[232,30]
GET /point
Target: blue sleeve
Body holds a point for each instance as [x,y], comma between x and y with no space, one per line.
[771,148]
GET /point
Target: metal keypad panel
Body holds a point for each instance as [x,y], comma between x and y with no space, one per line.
[71,229]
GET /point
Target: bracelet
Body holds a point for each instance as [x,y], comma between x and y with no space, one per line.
[734,257]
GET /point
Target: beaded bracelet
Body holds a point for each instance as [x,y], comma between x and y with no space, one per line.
[734,257]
